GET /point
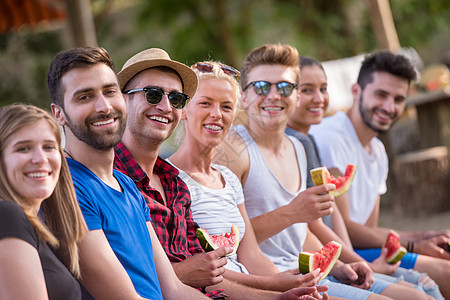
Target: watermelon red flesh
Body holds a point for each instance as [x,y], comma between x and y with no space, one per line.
[224,240]
[395,250]
[342,183]
[212,242]
[324,259]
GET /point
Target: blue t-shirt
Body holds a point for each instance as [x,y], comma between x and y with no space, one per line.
[122,216]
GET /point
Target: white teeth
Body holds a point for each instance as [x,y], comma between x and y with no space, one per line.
[104,122]
[213,127]
[315,109]
[272,108]
[159,119]
[38,175]
[384,116]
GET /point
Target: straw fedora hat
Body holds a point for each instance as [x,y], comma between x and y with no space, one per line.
[156,57]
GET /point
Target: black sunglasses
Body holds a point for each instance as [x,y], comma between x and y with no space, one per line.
[262,88]
[207,67]
[154,95]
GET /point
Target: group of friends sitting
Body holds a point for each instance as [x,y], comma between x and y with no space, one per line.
[104,216]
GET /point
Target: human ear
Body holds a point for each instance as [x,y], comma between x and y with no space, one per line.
[183,114]
[244,101]
[58,113]
[356,91]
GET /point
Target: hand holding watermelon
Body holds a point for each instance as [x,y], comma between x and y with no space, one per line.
[380,265]
[395,250]
[203,269]
[311,204]
[213,242]
[324,259]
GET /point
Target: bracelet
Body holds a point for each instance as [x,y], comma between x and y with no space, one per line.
[410,246]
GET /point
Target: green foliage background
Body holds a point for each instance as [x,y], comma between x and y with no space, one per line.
[193,30]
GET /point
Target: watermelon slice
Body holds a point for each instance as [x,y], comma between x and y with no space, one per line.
[322,176]
[324,259]
[395,250]
[212,242]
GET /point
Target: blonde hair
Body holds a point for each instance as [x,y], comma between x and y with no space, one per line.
[270,54]
[63,224]
[215,73]
[218,73]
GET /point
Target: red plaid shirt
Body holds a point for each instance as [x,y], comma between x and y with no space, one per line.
[173,223]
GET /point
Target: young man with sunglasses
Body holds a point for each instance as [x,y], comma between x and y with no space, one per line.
[153,86]
[120,256]
[272,169]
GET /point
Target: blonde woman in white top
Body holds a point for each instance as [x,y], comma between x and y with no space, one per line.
[207,120]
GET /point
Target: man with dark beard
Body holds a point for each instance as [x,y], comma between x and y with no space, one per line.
[379,100]
[120,256]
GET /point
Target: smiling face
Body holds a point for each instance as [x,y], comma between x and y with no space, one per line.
[33,161]
[314,99]
[94,108]
[209,115]
[147,122]
[272,110]
[382,101]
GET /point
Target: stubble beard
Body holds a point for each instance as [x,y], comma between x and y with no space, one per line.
[105,141]
[367,116]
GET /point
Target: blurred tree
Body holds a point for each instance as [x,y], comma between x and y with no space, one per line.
[225,30]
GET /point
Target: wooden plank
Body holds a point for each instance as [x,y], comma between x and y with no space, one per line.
[81,23]
[383,24]
[421,179]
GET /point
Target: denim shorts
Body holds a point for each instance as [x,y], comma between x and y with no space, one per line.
[338,289]
[408,261]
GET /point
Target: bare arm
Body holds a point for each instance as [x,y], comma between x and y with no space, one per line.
[249,253]
[171,286]
[102,273]
[202,269]
[339,226]
[20,263]
[309,205]
[242,292]
[361,236]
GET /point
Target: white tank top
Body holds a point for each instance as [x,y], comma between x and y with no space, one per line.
[264,193]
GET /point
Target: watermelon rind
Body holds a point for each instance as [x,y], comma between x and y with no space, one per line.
[350,172]
[397,255]
[318,175]
[208,245]
[321,175]
[306,259]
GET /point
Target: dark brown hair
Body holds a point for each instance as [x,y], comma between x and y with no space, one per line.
[75,58]
[385,61]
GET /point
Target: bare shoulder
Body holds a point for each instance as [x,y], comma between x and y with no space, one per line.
[232,153]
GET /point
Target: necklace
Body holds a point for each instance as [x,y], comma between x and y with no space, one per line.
[68,154]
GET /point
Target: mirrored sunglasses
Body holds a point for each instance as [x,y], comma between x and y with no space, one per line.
[262,88]
[154,95]
[207,67]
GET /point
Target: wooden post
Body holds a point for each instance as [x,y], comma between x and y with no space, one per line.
[81,23]
[383,24]
[422,179]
